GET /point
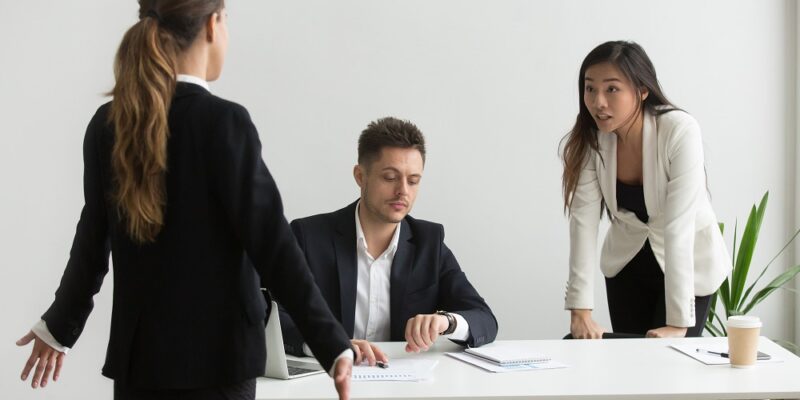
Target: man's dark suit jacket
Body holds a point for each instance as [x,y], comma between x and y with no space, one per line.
[187,309]
[425,276]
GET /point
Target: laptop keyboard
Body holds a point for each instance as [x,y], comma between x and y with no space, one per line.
[297,370]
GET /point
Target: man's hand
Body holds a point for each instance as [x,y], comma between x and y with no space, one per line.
[367,352]
[582,326]
[667,332]
[341,377]
[46,359]
[422,331]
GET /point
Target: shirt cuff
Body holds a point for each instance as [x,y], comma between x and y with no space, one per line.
[348,353]
[462,329]
[41,331]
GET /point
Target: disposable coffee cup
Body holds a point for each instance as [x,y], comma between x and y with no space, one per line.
[743,332]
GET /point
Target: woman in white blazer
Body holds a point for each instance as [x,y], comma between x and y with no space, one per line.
[639,158]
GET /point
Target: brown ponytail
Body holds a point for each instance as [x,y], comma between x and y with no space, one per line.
[145,69]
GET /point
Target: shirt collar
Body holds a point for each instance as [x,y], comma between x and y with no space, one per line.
[361,240]
[193,79]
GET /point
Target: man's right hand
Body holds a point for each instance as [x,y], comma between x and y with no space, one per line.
[368,352]
[582,326]
[341,377]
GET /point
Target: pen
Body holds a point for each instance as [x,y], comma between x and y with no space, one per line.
[382,364]
[713,353]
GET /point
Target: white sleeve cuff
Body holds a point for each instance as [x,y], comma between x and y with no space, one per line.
[462,329]
[348,353]
[41,331]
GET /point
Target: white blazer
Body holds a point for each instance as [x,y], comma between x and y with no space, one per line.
[682,227]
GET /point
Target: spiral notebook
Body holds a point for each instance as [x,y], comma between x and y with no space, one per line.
[400,369]
[505,355]
[493,367]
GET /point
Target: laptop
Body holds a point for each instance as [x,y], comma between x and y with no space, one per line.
[278,366]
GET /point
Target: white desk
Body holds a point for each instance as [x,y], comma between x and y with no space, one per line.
[607,369]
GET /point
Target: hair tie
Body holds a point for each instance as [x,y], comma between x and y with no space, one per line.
[153,14]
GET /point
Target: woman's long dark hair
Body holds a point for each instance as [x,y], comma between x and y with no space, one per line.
[145,70]
[632,61]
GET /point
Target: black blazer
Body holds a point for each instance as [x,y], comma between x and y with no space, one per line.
[425,277]
[187,309]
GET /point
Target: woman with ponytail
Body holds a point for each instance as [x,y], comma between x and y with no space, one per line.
[637,158]
[176,191]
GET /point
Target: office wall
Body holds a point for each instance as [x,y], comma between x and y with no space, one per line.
[491,83]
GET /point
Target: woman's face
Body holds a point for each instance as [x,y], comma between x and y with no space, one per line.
[610,97]
[218,25]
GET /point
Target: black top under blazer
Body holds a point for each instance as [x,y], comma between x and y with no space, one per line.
[425,277]
[187,309]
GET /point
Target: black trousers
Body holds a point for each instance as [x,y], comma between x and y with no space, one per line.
[636,297]
[245,390]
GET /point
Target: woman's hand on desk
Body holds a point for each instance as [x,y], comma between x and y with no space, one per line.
[368,352]
[341,377]
[666,332]
[582,326]
[46,359]
[422,330]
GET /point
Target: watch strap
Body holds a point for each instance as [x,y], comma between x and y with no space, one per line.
[451,322]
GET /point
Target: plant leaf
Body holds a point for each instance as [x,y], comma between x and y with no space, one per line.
[746,249]
[712,306]
[713,330]
[735,239]
[721,326]
[725,295]
[725,289]
[770,263]
[776,283]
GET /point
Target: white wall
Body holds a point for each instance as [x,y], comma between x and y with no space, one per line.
[792,136]
[492,84]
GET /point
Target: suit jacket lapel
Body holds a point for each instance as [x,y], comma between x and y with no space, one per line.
[607,169]
[402,266]
[347,265]
[650,163]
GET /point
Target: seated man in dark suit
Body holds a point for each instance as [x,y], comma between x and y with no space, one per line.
[386,275]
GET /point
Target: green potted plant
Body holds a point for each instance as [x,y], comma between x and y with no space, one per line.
[735,299]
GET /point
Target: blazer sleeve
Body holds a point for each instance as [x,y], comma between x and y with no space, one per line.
[584,219]
[292,339]
[250,198]
[456,294]
[88,258]
[685,183]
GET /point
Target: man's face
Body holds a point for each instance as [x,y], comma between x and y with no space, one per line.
[389,184]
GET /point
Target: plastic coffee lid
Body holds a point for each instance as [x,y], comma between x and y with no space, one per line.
[744,321]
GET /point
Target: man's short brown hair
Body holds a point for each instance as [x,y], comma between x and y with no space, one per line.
[388,132]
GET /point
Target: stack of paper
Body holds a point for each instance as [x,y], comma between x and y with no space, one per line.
[505,357]
[400,369]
